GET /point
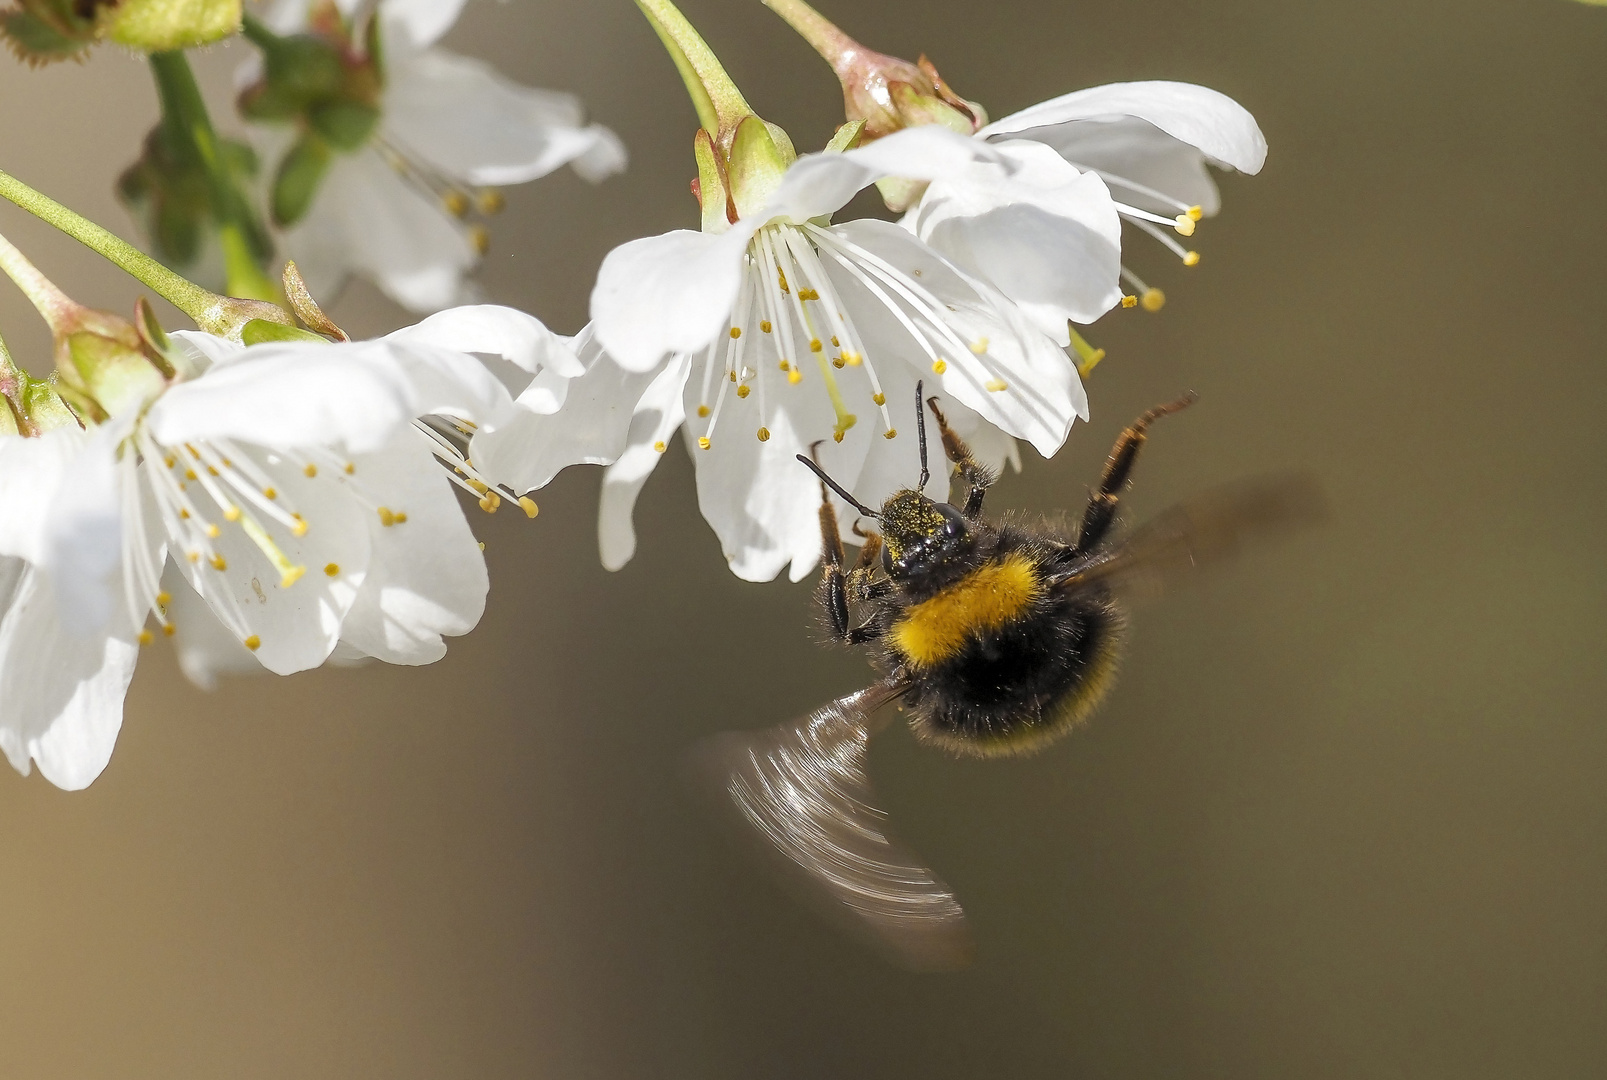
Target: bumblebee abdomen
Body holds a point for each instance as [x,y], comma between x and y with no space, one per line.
[1022,685]
[994,596]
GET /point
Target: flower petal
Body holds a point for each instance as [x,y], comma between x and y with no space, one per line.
[32,471]
[465,120]
[426,575]
[61,695]
[493,330]
[368,219]
[424,21]
[591,427]
[658,414]
[1035,391]
[1159,134]
[205,648]
[1045,235]
[667,294]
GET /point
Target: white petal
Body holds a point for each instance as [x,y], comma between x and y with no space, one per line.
[32,471]
[469,123]
[657,416]
[423,21]
[205,647]
[1041,394]
[667,294]
[84,533]
[493,330]
[369,220]
[296,626]
[354,395]
[1044,234]
[426,576]
[590,428]
[1159,134]
[61,695]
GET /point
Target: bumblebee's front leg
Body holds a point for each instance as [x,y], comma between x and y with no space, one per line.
[1101,511]
[832,592]
[977,476]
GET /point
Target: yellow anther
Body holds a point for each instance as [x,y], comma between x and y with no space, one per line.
[193,556]
[659,446]
[890,433]
[703,410]
[350,468]
[837,362]
[480,238]
[183,513]
[386,517]
[731,375]
[764,325]
[744,390]
[1195,212]
[1191,259]
[1088,357]
[880,399]
[332,569]
[1185,225]
[764,434]
[736,332]
[979,346]
[219,563]
[170,461]
[196,454]
[490,201]
[795,377]
[310,471]
[702,442]
[401,516]
[270,493]
[478,486]
[189,474]
[291,576]
[211,471]
[300,527]
[528,505]
[482,545]
[253,643]
[231,513]
[854,359]
[783,365]
[782,275]
[815,345]
[836,436]
[1153,300]
[939,367]
[995,385]
[168,629]
[1129,301]
[211,531]
[163,599]
[456,203]
[145,637]
[488,505]
[836,344]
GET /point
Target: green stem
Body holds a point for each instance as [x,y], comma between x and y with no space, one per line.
[720,105]
[815,28]
[185,116]
[41,292]
[213,313]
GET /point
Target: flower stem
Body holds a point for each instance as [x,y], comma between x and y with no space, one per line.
[41,292]
[815,28]
[185,116]
[213,313]
[720,105]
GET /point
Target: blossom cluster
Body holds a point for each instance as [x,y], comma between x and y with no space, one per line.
[273,496]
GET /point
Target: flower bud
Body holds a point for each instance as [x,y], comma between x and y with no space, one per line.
[103,363]
[168,189]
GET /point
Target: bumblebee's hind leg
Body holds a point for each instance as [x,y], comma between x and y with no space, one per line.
[976,476]
[1101,511]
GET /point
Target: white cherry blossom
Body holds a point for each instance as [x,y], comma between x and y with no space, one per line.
[451,129]
[782,331]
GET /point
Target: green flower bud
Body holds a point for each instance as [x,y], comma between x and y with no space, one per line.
[300,173]
[168,190]
[163,25]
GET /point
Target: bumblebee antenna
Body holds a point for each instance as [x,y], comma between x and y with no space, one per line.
[838,488]
[920,437]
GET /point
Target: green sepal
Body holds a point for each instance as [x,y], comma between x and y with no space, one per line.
[112,371]
[846,138]
[163,25]
[755,166]
[8,420]
[711,189]
[916,109]
[44,408]
[260,331]
[39,42]
[345,124]
[298,71]
[300,173]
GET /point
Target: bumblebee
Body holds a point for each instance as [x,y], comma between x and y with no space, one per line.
[994,638]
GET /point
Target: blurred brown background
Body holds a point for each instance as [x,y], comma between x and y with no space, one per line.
[1345,815]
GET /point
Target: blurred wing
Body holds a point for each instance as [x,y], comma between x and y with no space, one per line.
[802,788]
[1200,533]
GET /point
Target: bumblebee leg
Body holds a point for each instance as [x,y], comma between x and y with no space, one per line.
[1101,511]
[977,477]
[832,592]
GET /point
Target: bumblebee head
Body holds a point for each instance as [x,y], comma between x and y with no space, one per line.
[925,544]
